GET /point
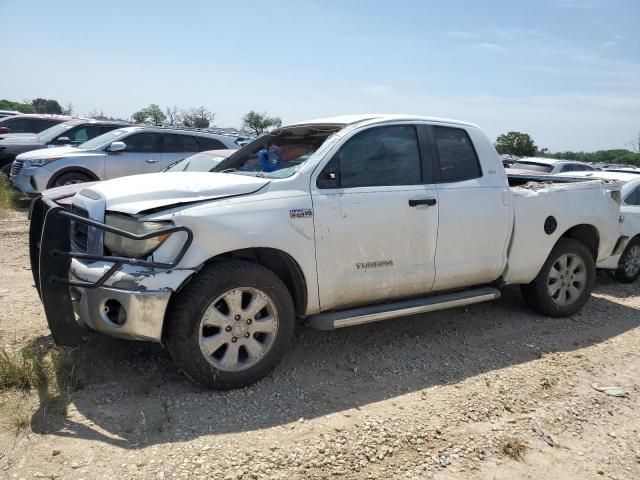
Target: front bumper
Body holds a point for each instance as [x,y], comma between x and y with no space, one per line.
[119,296]
[30,181]
[101,309]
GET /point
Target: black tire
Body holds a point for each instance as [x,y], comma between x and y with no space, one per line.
[625,273]
[537,295]
[69,178]
[184,319]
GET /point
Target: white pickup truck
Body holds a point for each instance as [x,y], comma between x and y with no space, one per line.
[340,221]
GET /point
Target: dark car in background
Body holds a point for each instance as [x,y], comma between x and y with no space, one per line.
[30,123]
[72,132]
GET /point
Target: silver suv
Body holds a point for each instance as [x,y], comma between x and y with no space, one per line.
[125,151]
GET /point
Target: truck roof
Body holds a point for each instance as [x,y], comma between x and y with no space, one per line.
[377,117]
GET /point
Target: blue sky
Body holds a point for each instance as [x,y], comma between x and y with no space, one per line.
[565,71]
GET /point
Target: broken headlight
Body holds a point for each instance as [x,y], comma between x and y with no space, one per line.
[127,247]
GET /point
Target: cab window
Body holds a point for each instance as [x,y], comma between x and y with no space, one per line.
[457,157]
[380,156]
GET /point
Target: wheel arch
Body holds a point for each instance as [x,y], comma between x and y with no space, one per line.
[280,263]
[587,235]
[73,169]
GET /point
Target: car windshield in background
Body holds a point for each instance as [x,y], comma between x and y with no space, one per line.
[49,134]
[200,162]
[102,139]
[537,167]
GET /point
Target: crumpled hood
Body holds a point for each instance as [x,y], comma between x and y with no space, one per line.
[138,193]
[64,151]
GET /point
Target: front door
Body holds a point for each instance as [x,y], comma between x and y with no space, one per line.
[142,155]
[375,219]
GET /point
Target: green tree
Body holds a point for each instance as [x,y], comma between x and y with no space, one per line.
[516,143]
[44,105]
[199,117]
[153,114]
[258,123]
[18,106]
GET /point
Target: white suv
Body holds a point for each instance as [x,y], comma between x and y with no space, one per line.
[118,153]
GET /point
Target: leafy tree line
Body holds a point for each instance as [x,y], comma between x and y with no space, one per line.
[38,105]
[197,117]
[522,145]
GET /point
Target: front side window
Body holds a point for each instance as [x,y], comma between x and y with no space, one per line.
[458,159]
[380,156]
[633,198]
[143,143]
[180,143]
[81,134]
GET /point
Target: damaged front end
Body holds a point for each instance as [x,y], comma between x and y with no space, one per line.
[83,288]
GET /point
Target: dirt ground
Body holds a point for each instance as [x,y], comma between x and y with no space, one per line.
[491,391]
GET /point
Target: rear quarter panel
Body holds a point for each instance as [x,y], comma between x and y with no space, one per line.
[571,204]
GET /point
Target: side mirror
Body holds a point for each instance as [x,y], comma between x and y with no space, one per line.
[117,146]
[63,140]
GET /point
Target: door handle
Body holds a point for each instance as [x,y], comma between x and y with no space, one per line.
[151,160]
[423,201]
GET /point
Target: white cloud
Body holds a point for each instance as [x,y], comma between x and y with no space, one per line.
[488,46]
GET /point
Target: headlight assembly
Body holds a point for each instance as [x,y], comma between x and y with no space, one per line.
[126,247]
[39,162]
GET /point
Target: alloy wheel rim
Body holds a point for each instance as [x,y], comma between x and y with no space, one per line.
[567,279]
[238,329]
[632,261]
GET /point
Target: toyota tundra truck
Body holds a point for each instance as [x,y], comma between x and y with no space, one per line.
[334,222]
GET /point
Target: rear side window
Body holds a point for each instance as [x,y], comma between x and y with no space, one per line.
[143,143]
[19,125]
[381,156]
[210,144]
[633,198]
[44,124]
[180,143]
[107,128]
[458,159]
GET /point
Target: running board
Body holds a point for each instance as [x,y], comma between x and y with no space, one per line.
[376,313]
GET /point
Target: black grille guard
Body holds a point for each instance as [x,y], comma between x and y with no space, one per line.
[55,209]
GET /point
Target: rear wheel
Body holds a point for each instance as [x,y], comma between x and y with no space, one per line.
[629,265]
[71,178]
[230,325]
[565,281]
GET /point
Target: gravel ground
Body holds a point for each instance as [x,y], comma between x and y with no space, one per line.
[491,391]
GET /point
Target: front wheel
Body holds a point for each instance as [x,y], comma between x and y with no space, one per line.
[230,325]
[629,265]
[70,179]
[565,281]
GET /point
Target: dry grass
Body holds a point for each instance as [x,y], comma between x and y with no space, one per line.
[19,370]
[50,370]
[513,448]
[8,198]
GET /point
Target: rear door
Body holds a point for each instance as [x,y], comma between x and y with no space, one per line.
[176,147]
[142,155]
[375,213]
[474,209]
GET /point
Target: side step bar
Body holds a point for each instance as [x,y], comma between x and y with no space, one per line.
[376,313]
